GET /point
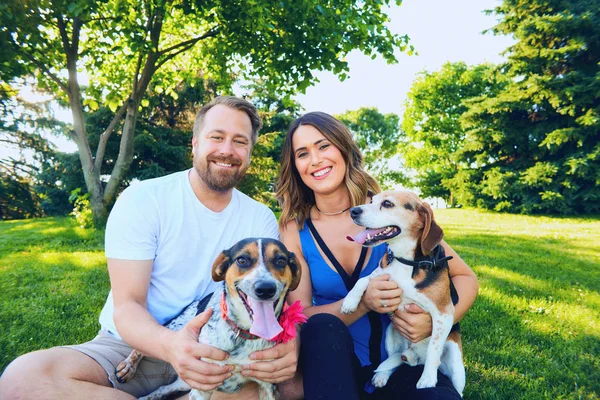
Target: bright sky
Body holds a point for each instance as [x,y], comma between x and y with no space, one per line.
[440,30]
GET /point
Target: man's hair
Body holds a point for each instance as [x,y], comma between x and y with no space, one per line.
[294,196]
[235,103]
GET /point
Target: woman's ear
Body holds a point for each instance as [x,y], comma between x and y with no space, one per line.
[432,233]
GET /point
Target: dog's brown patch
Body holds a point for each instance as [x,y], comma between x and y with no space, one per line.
[454,336]
[274,254]
[438,291]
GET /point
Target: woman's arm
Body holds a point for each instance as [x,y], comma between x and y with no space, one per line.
[415,324]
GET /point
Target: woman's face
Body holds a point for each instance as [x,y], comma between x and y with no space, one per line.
[319,163]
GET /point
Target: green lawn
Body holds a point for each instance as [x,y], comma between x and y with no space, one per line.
[534,332]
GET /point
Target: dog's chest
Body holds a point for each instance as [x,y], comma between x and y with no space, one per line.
[402,275]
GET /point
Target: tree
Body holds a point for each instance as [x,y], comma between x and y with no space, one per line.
[127,47]
[377,135]
[537,142]
[434,135]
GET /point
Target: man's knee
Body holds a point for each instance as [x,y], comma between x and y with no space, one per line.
[32,372]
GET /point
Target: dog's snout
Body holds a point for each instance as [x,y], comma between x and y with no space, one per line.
[265,290]
[355,212]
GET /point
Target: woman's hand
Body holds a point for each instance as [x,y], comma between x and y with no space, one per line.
[412,322]
[382,295]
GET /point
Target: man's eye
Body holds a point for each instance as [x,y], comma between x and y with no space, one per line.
[216,138]
[240,142]
[387,204]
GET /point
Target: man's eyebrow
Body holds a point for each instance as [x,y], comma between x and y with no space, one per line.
[304,148]
[216,131]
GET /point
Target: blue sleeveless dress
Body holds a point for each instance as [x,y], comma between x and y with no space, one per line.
[328,287]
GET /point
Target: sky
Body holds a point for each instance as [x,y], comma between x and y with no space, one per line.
[440,31]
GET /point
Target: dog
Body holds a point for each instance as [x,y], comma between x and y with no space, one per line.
[406,223]
[257,275]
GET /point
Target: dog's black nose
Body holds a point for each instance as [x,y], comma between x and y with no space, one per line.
[355,212]
[264,290]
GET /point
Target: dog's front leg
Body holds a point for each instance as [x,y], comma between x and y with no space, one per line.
[266,391]
[351,301]
[199,395]
[442,323]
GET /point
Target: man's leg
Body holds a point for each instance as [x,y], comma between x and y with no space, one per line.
[248,392]
[57,373]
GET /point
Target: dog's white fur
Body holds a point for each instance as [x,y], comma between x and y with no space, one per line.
[217,332]
[415,220]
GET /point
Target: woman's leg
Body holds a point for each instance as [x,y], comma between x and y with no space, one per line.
[327,359]
[403,385]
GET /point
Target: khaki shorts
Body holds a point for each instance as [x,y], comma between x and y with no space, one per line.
[108,351]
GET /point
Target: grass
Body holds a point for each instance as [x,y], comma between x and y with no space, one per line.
[533,333]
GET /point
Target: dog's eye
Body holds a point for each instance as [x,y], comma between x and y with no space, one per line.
[280,262]
[242,261]
[387,204]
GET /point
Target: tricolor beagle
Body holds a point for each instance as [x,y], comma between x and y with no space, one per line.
[257,275]
[406,223]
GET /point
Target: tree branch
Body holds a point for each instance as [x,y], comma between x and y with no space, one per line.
[189,43]
[45,70]
[106,135]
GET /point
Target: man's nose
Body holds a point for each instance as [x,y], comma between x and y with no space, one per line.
[226,147]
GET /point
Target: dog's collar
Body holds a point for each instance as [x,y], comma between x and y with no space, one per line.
[423,264]
[239,332]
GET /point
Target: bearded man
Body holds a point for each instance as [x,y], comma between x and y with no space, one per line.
[162,237]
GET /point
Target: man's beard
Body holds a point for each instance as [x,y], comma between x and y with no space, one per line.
[221,180]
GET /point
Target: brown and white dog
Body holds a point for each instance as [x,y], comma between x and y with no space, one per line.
[416,262]
[257,275]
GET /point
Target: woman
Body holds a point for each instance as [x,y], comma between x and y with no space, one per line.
[321,179]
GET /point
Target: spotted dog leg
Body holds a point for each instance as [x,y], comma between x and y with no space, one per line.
[126,368]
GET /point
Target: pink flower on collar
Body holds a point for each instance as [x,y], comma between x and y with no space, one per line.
[289,318]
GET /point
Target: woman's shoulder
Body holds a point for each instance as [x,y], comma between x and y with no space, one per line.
[289,233]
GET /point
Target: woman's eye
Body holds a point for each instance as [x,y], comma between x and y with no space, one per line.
[324,146]
[301,155]
[387,204]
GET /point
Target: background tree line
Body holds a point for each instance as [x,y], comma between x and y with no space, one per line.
[523,136]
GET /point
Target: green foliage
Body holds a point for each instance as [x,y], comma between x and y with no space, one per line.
[434,137]
[82,210]
[377,135]
[539,135]
[126,47]
[533,333]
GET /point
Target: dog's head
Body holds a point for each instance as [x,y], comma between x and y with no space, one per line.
[396,215]
[258,273]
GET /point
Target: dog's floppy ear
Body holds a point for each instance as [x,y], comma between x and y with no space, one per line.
[432,233]
[296,271]
[220,266]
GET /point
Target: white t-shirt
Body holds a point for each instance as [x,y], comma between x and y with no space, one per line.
[162,220]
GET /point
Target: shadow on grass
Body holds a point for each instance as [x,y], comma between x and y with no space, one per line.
[40,309]
[546,259]
[507,360]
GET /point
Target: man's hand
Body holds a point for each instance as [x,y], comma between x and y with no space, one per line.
[281,364]
[185,353]
[382,295]
[412,322]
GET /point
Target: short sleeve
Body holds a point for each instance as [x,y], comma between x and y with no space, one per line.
[133,226]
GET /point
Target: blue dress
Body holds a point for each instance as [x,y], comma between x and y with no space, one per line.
[328,287]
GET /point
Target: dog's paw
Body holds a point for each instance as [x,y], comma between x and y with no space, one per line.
[427,381]
[349,305]
[125,371]
[380,379]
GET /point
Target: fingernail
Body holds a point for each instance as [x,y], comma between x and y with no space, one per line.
[252,357]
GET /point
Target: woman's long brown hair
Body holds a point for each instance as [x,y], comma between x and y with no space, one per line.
[294,196]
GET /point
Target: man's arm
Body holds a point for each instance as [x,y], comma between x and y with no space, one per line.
[130,281]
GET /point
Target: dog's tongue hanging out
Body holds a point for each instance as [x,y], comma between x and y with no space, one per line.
[265,324]
[362,236]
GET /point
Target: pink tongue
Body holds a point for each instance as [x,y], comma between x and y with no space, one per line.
[265,324]
[362,236]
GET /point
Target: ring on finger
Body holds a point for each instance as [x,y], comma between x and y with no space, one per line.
[383,303]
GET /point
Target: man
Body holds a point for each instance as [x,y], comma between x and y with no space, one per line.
[161,239]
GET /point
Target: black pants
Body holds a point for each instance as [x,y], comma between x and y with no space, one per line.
[332,371]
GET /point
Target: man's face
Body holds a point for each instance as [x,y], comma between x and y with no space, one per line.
[222,147]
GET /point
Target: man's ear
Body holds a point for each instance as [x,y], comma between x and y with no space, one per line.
[296,271]
[220,266]
[432,232]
